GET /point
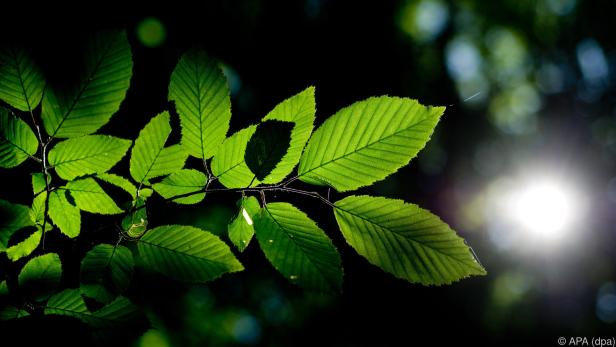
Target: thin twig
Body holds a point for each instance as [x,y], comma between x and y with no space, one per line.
[48,190]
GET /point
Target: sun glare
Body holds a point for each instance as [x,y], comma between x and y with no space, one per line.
[545,208]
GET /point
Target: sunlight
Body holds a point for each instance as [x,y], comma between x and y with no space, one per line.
[545,208]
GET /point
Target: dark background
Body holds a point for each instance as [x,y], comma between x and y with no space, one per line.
[349,51]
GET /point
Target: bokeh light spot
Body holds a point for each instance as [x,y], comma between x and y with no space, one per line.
[606,303]
[151,32]
[424,20]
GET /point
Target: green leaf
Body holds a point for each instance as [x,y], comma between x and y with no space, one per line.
[12,312]
[367,141]
[12,218]
[70,303]
[136,222]
[267,146]
[90,103]
[4,289]
[90,197]
[119,182]
[229,166]
[187,253]
[149,158]
[97,292]
[17,141]
[201,96]
[241,229]
[87,155]
[108,264]
[38,182]
[37,212]
[25,247]
[182,182]
[21,81]
[405,240]
[299,109]
[64,215]
[41,275]
[298,248]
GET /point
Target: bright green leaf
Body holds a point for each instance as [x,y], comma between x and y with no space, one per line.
[70,303]
[149,157]
[12,218]
[40,277]
[405,240]
[38,182]
[90,103]
[367,141]
[25,247]
[201,96]
[299,109]
[87,155]
[37,212]
[119,182]
[108,264]
[187,253]
[145,193]
[64,215]
[21,81]
[241,229]
[17,141]
[267,146]
[90,197]
[298,248]
[182,182]
[229,165]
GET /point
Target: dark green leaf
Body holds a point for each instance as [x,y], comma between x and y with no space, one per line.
[136,222]
[12,312]
[119,182]
[21,81]
[298,248]
[182,182]
[12,218]
[106,264]
[187,253]
[40,277]
[70,303]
